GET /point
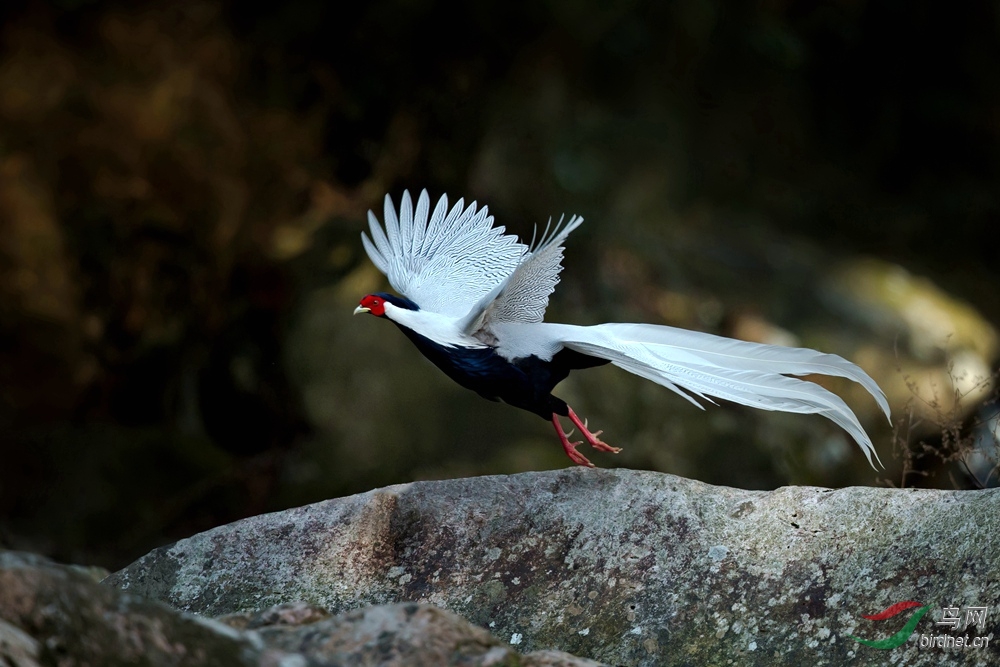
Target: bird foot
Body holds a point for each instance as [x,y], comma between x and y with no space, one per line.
[592,439]
[570,447]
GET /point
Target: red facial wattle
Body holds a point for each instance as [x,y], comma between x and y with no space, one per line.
[374,304]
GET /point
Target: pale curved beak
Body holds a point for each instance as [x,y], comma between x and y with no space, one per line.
[362,309]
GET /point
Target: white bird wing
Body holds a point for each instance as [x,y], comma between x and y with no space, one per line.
[524,295]
[444,265]
[695,364]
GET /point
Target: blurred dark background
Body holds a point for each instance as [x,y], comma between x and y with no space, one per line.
[182,188]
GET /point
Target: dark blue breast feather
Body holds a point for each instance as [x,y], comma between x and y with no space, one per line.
[525,383]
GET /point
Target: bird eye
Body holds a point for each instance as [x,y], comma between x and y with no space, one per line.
[375,302]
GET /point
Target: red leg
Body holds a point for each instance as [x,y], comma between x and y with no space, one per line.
[592,439]
[570,447]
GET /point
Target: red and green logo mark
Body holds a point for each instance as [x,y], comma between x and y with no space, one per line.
[897,639]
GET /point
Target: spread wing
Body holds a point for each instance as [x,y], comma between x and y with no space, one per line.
[524,295]
[445,265]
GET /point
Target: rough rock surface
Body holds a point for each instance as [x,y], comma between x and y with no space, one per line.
[57,615]
[625,567]
[407,634]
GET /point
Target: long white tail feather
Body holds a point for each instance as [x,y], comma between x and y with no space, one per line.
[695,364]
[712,350]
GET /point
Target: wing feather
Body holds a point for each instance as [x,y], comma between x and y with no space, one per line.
[391,223]
[444,265]
[406,224]
[524,295]
[419,223]
[378,250]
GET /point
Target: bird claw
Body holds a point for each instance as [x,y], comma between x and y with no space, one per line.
[600,445]
[593,439]
[570,447]
[575,456]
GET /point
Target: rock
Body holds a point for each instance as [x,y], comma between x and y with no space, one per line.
[290,614]
[399,634]
[625,567]
[57,614]
[17,647]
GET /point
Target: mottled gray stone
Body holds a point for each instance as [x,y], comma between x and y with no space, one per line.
[58,615]
[399,635]
[54,614]
[625,567]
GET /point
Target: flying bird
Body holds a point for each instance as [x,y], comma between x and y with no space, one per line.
[473,300]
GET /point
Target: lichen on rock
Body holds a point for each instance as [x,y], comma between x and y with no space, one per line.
[625,567]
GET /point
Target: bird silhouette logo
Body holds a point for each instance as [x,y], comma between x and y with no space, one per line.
[904,633]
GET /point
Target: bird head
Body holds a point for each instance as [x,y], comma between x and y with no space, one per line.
[372,303]
[375,304]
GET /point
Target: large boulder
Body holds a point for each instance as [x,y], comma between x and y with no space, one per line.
[53,614]
[625,567]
